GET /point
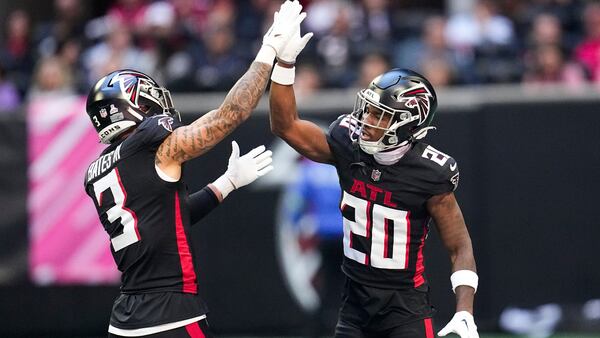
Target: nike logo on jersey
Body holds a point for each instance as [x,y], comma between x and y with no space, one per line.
[453,166]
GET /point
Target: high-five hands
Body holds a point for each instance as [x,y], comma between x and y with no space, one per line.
[285,23]
[294,46]
[285,38]
[462,324]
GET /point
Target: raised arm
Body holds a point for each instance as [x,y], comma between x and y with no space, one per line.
[453,231]
[191,141]
[197,138]
[306,137]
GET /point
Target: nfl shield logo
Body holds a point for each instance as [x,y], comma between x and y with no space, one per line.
[375,175]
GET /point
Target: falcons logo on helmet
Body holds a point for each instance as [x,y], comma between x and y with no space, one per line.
[129,81]
[417,97]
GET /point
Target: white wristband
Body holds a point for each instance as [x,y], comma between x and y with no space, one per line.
[266,54]
[464,277]
[224,185]
[283,76]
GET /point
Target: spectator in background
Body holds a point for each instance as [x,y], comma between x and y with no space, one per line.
[431,53]
[376,28]
[336,48]
[548,65]
[69,52]
[439,72]
[546,30]
[67,23]
[184,44]
[567,12]
[159,31]
[191,15]
[158,25]
[307,83]
[116,52]
[319,16]
[588,51]
[219,65]
[16,50]
[544,58]
[485,39]
[249,25]
[195,57]
[130,14]
[51,79]
[9,96]
[481,26]
[371,66]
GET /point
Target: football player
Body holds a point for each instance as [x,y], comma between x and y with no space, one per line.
[392,184]
[139,194]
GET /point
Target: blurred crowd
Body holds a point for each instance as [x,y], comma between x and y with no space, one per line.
[205,45]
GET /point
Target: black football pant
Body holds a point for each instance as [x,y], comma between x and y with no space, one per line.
[371,312]
[422,328]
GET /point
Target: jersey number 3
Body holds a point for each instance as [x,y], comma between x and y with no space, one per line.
[387,228]
[130,234]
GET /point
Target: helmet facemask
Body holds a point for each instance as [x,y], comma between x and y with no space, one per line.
[159,95]
[405,102]
[390,121]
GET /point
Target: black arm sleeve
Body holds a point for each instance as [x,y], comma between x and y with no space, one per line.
[201,203]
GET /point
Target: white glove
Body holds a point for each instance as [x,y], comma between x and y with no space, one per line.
[244,170]
[462,324]
[294,46]
[285,22]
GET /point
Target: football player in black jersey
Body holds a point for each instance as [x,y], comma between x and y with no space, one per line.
[392,184]
[141,200]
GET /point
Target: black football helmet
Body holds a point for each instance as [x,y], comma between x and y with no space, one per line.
[123,99]
[407,98]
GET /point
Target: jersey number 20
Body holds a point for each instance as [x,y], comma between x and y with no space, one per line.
[128,218]
[386,227]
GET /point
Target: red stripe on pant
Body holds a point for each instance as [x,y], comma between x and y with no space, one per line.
[195,331]
[428,328]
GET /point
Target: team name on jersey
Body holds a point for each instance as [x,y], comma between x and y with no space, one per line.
[372,193]
[103,163]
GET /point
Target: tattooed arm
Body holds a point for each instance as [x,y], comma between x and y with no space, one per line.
[191,141]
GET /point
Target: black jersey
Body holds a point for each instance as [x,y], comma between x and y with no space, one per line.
[146,217]
[384,209]
[148,222]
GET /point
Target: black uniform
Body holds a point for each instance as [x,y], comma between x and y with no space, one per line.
[385,226]
[148,222]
